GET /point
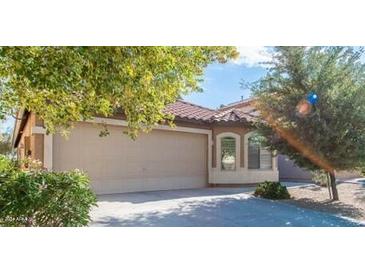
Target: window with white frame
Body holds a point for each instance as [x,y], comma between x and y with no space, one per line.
[228,153]
[258,157]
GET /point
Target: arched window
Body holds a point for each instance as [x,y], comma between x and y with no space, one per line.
[228,153]
[258,156]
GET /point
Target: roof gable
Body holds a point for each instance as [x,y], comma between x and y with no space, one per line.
[242,111]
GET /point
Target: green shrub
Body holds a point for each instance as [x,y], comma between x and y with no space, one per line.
[41,198]
[272,190]
[8,168]
[320,177]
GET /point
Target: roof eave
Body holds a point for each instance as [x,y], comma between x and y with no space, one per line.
[20,121]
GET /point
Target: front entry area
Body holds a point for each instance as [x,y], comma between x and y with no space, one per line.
[241,159]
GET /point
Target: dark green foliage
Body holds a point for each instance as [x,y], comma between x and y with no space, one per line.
[332,136]
[41,198]
[8,168]
[335,130]
[272,190]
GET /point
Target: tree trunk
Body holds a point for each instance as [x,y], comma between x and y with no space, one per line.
[329,185]
[333,186]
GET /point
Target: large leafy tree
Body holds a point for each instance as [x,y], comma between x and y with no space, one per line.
[331,136]
[66,84]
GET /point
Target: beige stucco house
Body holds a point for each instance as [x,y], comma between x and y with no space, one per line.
[207,147]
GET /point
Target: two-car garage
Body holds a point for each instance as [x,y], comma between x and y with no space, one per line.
[160,160]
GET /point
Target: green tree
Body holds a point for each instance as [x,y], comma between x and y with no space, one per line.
[66,84]
[332,136]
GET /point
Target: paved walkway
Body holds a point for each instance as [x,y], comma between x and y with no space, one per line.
[214,207]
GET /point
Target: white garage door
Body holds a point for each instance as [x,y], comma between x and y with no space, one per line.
[159,160]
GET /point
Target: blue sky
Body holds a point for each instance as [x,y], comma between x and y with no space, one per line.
[221,83]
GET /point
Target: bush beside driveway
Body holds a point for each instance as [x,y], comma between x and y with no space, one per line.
[209,207]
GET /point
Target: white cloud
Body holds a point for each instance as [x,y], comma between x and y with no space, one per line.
[253,56]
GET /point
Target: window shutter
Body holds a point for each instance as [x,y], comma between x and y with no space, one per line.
[265,159]
[253,155]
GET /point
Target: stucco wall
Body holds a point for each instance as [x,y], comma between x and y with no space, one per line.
[343,175]
[35,141]
[242,174]
[162,159]
[158,160]
[216,130]
[289,171]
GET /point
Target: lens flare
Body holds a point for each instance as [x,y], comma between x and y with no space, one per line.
[292,138]
[304,108]
[312,97]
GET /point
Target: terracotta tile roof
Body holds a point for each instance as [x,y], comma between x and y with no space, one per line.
[185,110]
[233,115]
[239,111]
[242,111]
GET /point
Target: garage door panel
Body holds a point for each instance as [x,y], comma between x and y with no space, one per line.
[158,160]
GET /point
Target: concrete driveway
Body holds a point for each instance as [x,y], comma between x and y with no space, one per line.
[212,207]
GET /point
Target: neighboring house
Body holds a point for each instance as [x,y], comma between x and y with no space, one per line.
[289,171]
[206,147]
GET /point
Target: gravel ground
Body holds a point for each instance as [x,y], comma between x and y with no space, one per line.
[351,203]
